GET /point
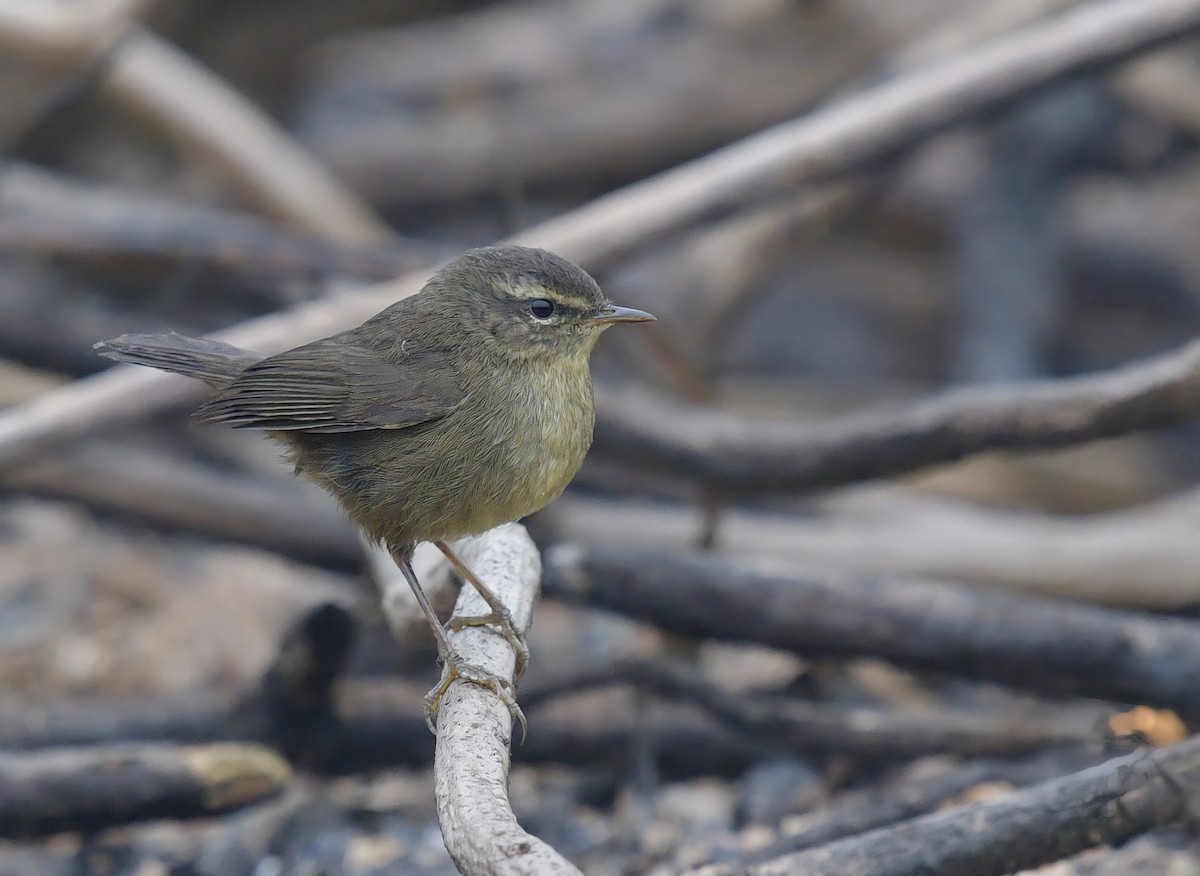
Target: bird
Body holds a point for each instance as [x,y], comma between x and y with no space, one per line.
[455,410]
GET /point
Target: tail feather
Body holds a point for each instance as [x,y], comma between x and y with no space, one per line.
[214,362]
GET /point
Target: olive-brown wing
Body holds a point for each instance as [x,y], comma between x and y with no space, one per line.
[333,387]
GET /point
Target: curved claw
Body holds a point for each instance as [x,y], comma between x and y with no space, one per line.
[501,619]
[453,668]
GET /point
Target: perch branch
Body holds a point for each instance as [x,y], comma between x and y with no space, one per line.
[474,727]
[845,136]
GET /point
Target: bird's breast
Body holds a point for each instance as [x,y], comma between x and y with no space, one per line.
[545,424]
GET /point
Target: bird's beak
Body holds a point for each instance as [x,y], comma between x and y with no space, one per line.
[613,313]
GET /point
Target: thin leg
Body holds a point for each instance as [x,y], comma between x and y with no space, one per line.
[500,616]
[453,666]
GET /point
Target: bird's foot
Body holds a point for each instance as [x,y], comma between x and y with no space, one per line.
[454,668]
[501,619]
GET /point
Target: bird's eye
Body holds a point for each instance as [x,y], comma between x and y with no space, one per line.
[541,308]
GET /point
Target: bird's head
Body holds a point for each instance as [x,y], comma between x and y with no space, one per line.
[528,302]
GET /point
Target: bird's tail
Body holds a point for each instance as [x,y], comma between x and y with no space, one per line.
[214,362]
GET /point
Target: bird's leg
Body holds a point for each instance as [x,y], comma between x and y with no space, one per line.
[453,666]
[500,616]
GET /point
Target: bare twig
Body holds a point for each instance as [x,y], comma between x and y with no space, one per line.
[821,729]
[153,80]
[474,727]
[743,456]
[1142,557]
[837,140]
[45,47]
[271,512]
[917,790]
[869,126]
[1032,643]
[47,214]
[87,788]
[74,34]
[1103,804]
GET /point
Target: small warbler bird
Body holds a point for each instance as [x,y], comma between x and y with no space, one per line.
[455,410]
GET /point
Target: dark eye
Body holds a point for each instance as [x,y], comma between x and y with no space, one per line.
[541,308]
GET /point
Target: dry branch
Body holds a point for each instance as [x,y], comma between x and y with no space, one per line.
[88,788]
[921,788]
[57,33]
[150,78]
[1032,643]
[304,707]
[866,127]
[837,140]
[823,729]
[1145,556]
[44,49]
[48,215]
[1108,803]
[495,112]
[172,492]
[740,456]
[474,728]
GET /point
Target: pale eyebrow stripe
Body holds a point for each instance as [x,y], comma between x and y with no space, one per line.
[528,293]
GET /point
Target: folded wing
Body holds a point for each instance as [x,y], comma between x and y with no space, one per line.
[333,387]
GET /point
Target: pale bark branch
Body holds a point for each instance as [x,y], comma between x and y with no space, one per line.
[1143,557]
[475,728]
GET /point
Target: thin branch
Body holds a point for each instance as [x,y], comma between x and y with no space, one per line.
[1108,803]
[278,514]
[871,125]
[743,456]
[48,214]
[822,729]
[1144,556]
[1036,644]
[845,136]
[914,792]
[65,33]
[155,81]
[87,788]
